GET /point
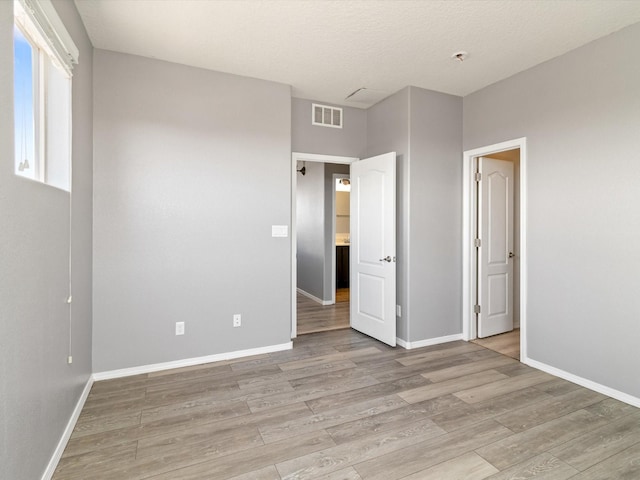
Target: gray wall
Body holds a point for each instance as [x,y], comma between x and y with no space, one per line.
[310,230]
[388,131]
[581,115]
[38,390]
[424,128]
[192,168]
[329,240]
[435,196]
[349,141]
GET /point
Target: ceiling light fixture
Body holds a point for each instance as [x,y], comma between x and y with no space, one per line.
[461,56]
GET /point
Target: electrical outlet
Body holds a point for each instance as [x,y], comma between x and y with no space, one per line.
[179,328]
[398,311]
[237,320]
[69,359]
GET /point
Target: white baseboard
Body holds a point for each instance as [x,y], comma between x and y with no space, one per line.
[62,444]
[314,298]
[610,392]
[188,362]
[428,341]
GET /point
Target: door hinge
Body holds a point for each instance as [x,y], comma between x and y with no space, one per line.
[476,309]
[478,176]
[477,242]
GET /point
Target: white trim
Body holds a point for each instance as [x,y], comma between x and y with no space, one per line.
[316,157]
[468,219]
[428,341]
[295,158]
[314,298]
[188,362]
[591,385]
[64,439]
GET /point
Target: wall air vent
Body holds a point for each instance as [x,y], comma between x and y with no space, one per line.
[326,116]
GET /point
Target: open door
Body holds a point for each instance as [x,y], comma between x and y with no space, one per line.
[495,253]
[373,247]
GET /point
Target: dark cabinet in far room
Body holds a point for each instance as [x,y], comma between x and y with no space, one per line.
[342,266]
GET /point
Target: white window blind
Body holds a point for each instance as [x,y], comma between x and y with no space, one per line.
[42,16]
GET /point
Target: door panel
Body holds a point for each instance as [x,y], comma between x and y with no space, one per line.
[495,272]
[373,241]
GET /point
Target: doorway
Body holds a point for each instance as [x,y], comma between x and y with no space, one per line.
[315,306]
[493,307]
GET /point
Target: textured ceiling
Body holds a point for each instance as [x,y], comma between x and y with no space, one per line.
[327,49]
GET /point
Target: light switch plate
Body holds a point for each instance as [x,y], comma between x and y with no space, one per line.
[279,230]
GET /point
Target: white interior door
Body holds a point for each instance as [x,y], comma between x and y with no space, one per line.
[373,247]
[495,254]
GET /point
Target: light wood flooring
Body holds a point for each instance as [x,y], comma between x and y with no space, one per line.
[340,406]
[506,343]
[313,317]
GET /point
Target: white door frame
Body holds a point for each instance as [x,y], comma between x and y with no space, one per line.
[295,158]
[336,176]
[468,235]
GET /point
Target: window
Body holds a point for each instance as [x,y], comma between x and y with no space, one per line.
[44,55]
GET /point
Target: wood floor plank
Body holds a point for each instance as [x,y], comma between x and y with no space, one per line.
[456,371]
[290,375]
[423,455]
[598,445]
[253,459]
[352,396]
[465,415]
[308,394]
[185,441]
[335,458]
[348,473]
[524,445]
[540,412]
[446,387]
[557,386]
[434,354]
[330,418]
[170,454]
[500,387]
[391,370]
[623,466]
[542,467]
[86,465]
[380,421]
[266,473]
[469,466]
[612,409]
[334,357]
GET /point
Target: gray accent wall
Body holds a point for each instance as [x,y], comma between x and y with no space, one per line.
[38,389]
[424,128]
[349,141]
[388,131]
[310,230]
[435,205]
[581,115]
[192,168]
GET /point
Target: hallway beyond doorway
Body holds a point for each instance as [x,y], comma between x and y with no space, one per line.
[506,343]
[313,317]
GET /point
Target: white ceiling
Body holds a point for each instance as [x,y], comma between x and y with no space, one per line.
[326,49]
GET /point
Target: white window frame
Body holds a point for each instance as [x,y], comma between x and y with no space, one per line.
[52,47]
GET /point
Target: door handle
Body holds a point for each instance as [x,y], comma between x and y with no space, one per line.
[511,254]
[386,259]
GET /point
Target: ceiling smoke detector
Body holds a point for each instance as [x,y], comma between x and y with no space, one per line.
[461,55]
